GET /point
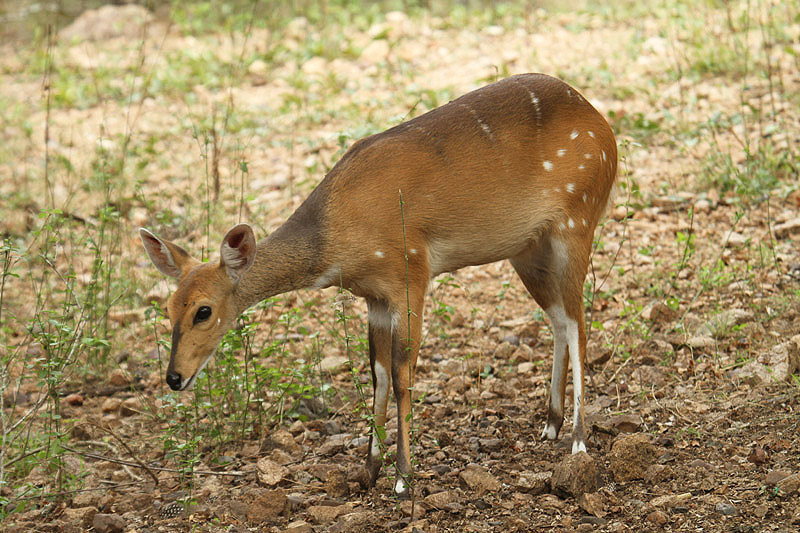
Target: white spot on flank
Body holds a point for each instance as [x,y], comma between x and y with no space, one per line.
[379,253]
[573,135]
[587,156]
[581,166]
[486,128]
[584,197]
[604,154]
[548,166]
[561,152]
[591,134]
[561,226]
[556,190]
[584,221]
[412,251]
[570,223]
[570,187]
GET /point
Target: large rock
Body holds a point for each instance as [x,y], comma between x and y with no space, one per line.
[630,457]
[575,475]
[777,364]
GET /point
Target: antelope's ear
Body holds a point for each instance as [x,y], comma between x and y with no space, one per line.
[238,251]
[169,258]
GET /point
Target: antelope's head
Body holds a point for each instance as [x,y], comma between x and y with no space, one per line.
[203,307]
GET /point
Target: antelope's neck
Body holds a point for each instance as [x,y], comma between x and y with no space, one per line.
[287,260]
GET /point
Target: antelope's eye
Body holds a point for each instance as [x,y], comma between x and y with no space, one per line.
[204,313]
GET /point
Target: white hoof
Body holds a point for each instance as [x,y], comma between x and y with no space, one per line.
[578,446]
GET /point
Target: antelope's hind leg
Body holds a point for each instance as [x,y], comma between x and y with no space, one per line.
[556,283]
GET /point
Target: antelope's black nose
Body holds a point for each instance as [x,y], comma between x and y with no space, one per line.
[174,380]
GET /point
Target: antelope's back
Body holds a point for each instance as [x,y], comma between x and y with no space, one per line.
[510,160]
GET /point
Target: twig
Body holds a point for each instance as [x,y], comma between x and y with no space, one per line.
[99,457]
[128,449]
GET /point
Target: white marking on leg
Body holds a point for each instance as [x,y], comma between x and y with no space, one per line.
[548,165]
[577,378]
[381,394]
[557,317]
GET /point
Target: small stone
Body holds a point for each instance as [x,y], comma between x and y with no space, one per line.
[406,507]
[118,378]
[736,239]
[336,484]
[575,475]
[108,523]
[790,227]
[505,349]
[325,514]
[726,509]
[490,444]
[701,343]
[789,485]
[524,368]
[110,405]
[592,503]
[282,440]
[657,473]
[269,472]
[298,526]
[81,516]
[130,407]
[758,455]
[441,500]
[74,399]
[657,517]
[258,67]
[534,482]
[334,444]
[627,423]
[630,457]
[267,506]
[523,353]
[774,477]
[333,363]
[479,479]
[671,500]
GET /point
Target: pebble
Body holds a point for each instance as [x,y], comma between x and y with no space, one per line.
[726,509]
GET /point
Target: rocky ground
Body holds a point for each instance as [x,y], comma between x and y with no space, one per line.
[694,348]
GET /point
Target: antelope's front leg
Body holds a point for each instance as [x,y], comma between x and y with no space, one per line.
[380,360]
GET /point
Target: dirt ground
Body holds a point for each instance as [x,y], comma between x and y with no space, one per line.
[694,348]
